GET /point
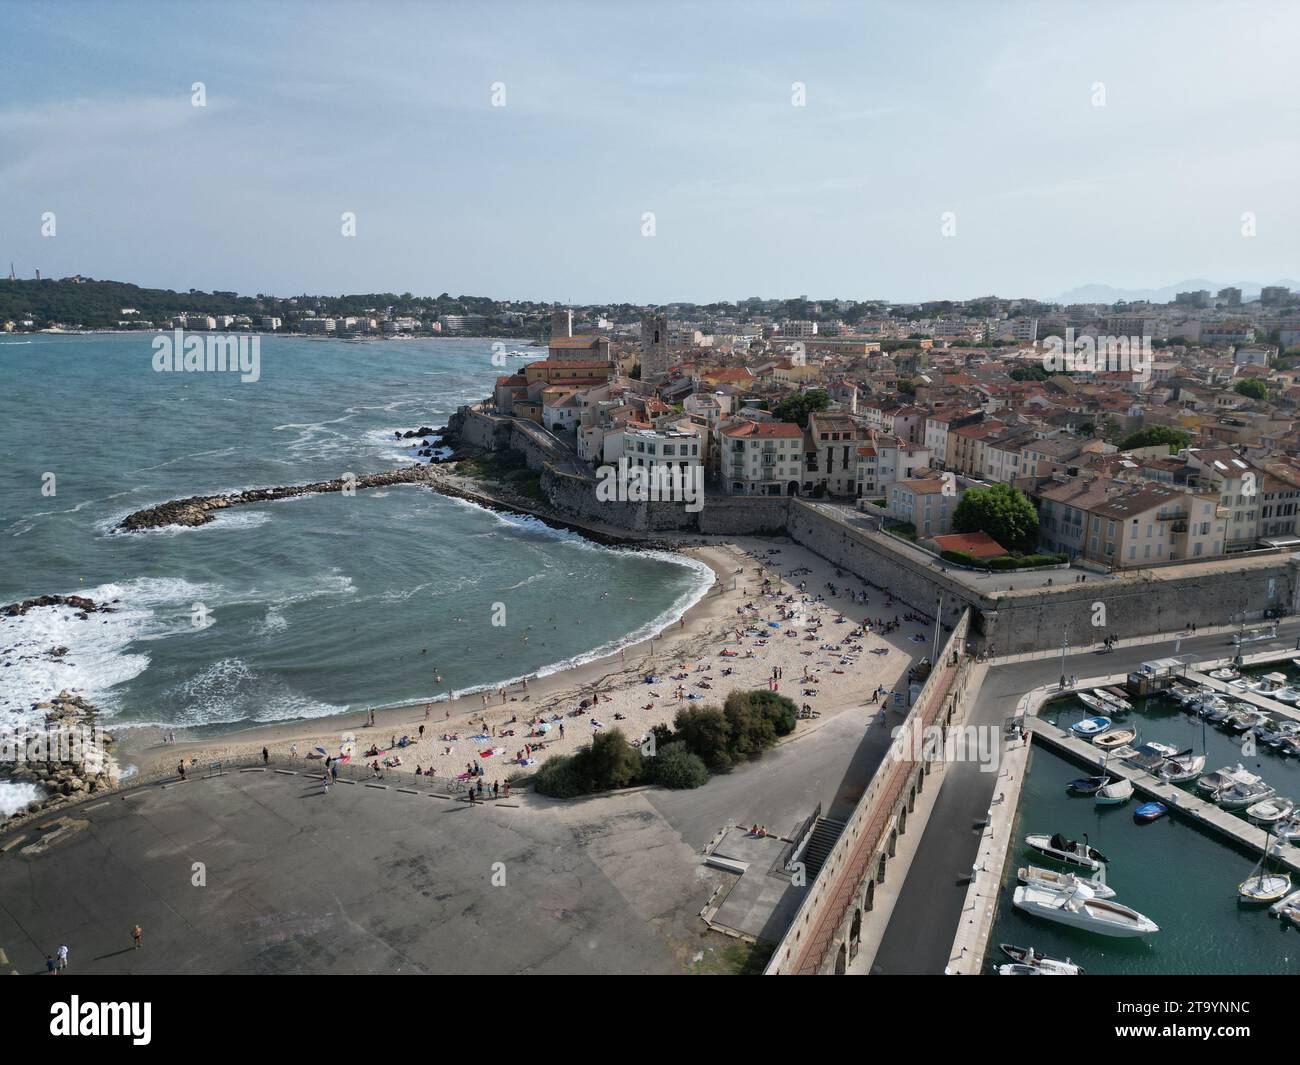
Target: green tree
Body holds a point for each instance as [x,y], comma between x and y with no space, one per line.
[797,408]
[1153,435]
[706,733]
[1252,388]
[1004,512]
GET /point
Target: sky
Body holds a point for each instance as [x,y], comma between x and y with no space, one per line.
[655,152]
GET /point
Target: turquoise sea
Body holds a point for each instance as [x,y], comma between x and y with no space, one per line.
[307,607]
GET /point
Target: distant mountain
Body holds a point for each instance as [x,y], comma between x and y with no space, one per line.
[1107,294]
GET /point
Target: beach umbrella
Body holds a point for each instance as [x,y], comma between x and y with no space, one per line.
[545,726]
[320,750]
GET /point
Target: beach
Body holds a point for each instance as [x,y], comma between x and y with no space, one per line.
[735,637]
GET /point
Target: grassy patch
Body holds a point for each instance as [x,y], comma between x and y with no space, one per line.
[725,956]
[508,468]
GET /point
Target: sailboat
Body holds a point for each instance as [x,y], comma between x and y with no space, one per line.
[1262,886]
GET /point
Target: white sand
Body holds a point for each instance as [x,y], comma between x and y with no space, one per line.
[685,658]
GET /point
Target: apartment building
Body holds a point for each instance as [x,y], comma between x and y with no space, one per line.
[831,455]
[761,458]
[1126,526]
[924,504]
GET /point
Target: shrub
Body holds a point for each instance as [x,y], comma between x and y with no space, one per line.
[610,761]
[558,778]
[706,733]
[676,767]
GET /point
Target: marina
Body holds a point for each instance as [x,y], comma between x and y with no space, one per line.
[1206,872]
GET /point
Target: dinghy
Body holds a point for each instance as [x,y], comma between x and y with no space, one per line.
[1150,811]
[1117,793]
[1245,793]
[1037,876]
[1088,785]
[1114,739]
[1221,780]
[1079,908]
[1028,956]
[1066,851]
[1269,811]
[1090,726]
[1092,702]
[1227,673]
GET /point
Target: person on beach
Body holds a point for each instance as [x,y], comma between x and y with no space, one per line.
[266,756]
[63,957]
[293,750]
[137,937]
[181,769]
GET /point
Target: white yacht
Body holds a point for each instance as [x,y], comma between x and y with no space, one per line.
[1066,851]
[1037,876]
[1221,780]
[1079,908]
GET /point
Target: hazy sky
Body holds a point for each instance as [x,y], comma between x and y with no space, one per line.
[612,110]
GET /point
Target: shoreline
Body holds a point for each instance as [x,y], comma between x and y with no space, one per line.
[694,652]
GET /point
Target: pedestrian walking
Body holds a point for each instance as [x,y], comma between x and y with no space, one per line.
[266,756]
[137,937]
[293,750]
[181,769]
[51,966]
[63,957]
[325,782]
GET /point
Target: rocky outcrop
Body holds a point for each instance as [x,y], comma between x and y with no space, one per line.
[83,605]
[69,760]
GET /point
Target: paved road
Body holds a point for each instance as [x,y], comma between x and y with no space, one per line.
[925,920]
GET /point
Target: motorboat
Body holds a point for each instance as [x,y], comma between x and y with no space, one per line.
[1225,673]
[1028,956]
[1114,739]
[1090,726]
[1066,851]
[1089,785]
[1018,969]
[1245,793]
[1221,779]
[1037,876]
[1262,886]
[1113,703]
[1270,811]
[1093,702]
[1181,694]
[1288,909]
[1288,829]
[1150,811]
[1247,720]
[1289,695]
[1181,768]
[1079,908]
[1115,794]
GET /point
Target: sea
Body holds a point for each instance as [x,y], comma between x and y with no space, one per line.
[297,609]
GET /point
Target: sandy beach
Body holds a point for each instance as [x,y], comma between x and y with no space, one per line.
[733,638]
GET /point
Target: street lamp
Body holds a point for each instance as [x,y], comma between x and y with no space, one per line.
[1065,644]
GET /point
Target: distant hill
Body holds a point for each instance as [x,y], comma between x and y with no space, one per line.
[1107,294]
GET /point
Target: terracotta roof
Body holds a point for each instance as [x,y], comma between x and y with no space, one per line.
[786,430]
[979,544]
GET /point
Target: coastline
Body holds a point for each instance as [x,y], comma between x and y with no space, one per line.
[682,655]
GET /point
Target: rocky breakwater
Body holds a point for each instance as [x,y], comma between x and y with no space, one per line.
[84,607]
[199,510]
[70,758]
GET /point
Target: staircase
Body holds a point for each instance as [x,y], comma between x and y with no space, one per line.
[824,834]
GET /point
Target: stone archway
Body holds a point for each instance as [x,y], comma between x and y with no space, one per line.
[880,872]
[869,900]
[893,843]
[841,961]
[901,830]
[911,798]
[855,934]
